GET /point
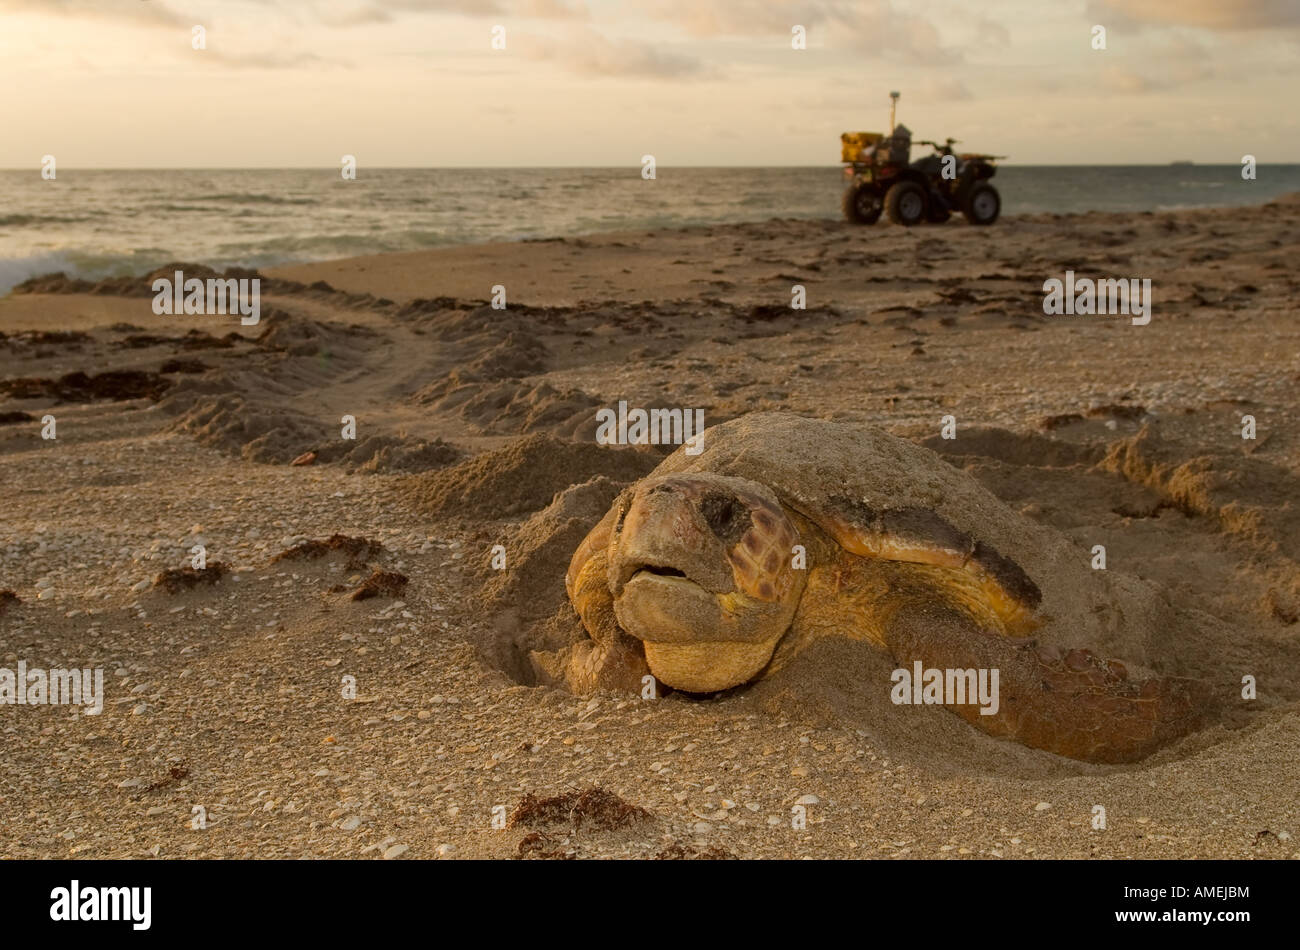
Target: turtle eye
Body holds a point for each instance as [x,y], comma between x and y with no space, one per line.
[723,514]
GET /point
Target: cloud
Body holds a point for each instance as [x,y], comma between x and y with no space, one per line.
[148,14]
[386,11]
[157,15]
[1219,15]
[590,53]
[945,90]
[991,33]
[1124,81]
[872,27]
[327,12]
[266,60]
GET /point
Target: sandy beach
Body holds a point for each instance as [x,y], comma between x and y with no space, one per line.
[475,427]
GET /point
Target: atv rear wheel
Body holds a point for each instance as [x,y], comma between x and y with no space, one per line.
[905,204]
[861,203]
[983,204]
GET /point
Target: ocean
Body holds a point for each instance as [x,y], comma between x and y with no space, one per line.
[105,223]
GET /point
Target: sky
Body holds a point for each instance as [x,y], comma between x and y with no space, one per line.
[418,83]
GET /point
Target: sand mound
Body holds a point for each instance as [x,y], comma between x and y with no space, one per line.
[243,414]
[1214,533]
[239,426]
[826,686]
[522,477]
[489,357]
[1251,500]
[519,354]
[1249,497]
[1015,447]
[386,453]
[545,540]
[297,336]
[526,601]
[509,407]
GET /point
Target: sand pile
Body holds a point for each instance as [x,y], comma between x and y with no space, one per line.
[511,407]
[522,477]
[546,540]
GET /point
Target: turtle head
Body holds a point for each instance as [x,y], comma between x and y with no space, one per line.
[700,567]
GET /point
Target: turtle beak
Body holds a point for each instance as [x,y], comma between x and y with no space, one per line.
[663,536]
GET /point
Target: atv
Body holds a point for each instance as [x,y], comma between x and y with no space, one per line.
[883,178]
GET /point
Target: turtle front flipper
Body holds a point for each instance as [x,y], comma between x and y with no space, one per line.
[985,579]
[1073,703]
[588,667]
[610,660]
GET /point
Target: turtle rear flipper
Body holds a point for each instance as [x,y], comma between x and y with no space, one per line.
[1074,704]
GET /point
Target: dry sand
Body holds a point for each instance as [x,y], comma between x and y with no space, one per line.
[470,420]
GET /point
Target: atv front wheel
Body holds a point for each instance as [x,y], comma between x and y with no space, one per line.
[982,204]
[905,204]
[861,203]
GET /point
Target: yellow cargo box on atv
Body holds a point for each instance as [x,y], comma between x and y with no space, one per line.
[853,144]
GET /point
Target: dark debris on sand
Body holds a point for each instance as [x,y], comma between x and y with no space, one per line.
[183,366]
[358,550]
[79,387]
[540,847]
[175,580]
[48,337]
[193,340]
[596,806]
[8,597]
[176,773]
[10,418]
[381,584]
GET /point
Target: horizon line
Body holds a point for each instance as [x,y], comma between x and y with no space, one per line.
[634,167]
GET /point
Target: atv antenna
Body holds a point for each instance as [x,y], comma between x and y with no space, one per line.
[893,102]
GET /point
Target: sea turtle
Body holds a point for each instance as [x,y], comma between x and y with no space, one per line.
[723,564]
